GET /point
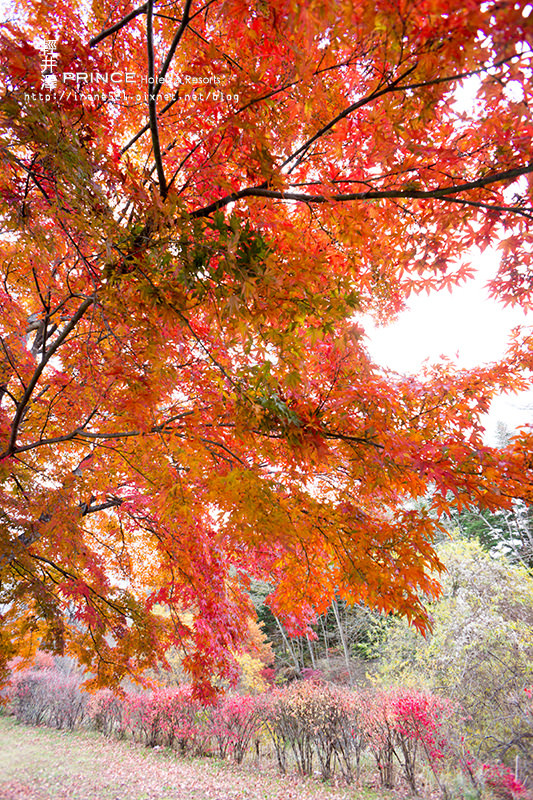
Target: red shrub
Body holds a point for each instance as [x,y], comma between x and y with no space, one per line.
[402,724]
[503,783]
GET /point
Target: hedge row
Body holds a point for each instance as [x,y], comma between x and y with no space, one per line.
[323,727]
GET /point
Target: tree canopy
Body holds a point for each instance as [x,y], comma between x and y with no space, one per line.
[199,200]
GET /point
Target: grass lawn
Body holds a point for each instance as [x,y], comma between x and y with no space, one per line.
[46,764]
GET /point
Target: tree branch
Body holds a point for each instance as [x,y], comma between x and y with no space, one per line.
[363,101]
[33,534]
[184,23]
[146,127]
[21,406]
[521,212]
[80,433]
[441,193]
[392,87]
[118,25]
[152,95]
[113,502]
[175,42]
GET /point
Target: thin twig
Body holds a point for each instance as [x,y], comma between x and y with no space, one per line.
[300,152]
[118,25]
[175,42]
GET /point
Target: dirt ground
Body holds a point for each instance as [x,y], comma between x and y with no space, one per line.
[45,764]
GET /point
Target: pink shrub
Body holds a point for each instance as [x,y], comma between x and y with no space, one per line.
[166,717]
[46,697]
[309,674]
[339,738]
[234,723]
[28,696]
[105,711]
[316,721]
[290,715]
[379,725]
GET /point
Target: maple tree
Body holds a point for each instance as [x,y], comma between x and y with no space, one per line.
[199,200]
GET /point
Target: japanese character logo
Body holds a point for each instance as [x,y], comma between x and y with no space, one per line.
[49,63]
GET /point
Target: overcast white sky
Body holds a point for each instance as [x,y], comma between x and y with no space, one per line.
[466,326]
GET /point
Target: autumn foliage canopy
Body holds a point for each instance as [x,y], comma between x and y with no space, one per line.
[199,201]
